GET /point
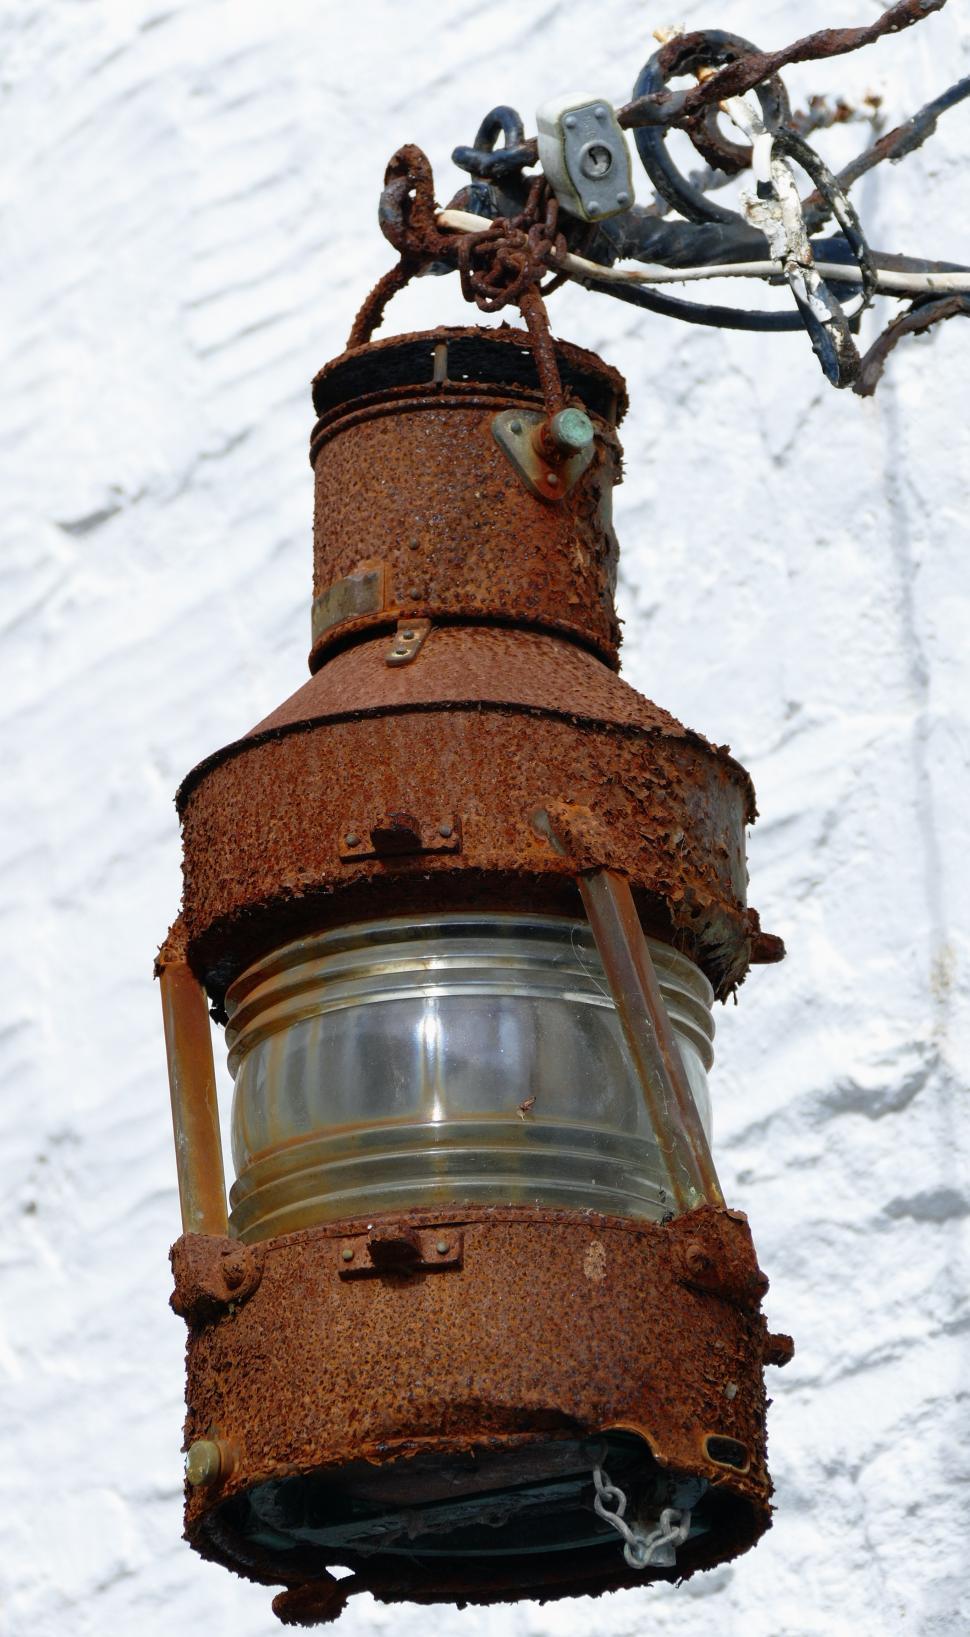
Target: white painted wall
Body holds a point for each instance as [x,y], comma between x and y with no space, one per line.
[189,191]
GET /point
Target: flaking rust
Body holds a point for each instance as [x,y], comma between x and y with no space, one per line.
[424,1352]
[511,701]
[408,475]
[563,1324]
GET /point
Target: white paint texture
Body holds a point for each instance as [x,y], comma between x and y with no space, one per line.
[188,205]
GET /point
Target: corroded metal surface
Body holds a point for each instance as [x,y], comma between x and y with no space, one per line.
[212,1274]
[752,67]
[470,665]
[405,775]
[487,726]
[411,482]
[554,1324]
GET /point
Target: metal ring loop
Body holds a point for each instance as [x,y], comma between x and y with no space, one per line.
[709,48]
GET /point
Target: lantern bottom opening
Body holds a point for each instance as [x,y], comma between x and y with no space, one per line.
[473,1506]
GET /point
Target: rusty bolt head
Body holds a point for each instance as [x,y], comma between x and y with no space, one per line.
[779,1349]
[203,1462]
[697,1260]
[234,1268]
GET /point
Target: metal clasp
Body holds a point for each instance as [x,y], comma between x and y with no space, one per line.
[397,1248]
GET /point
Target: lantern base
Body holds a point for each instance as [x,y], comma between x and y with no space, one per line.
[431,1420]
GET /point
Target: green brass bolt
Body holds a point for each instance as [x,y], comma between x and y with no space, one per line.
[571,431]
[203,1462]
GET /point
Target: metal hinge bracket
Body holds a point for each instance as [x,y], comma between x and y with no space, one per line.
[401,1249]
[395,834]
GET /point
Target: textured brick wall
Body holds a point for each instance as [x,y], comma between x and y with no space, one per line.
[188,204]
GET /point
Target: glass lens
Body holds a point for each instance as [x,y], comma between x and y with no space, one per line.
[446,1060]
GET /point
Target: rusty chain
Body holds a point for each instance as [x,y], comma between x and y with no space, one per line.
[505,264]
[641,1547]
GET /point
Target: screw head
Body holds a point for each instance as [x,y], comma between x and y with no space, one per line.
[442,1247]
[347,1254]
[623,198]
[203,1462]
[351,839]
[515,427]
[446,831]
[600,113]
[552,478]
[570,122]
[593,207]
[234,1268]
[407,636]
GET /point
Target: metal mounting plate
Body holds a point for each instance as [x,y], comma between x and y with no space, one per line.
[514,431]
[408,641]
[359,593]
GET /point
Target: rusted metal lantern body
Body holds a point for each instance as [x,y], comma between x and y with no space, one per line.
[463,902]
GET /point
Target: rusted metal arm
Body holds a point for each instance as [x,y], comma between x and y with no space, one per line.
[192,1082]
[893,145]
[676,107]
[636,995]
[635,991]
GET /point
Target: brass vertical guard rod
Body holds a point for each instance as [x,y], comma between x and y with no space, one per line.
[653,1046]
[192,1082]
[635,991]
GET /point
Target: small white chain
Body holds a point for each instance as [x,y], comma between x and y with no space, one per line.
[640,1548]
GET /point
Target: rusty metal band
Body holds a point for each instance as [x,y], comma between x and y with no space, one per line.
[457,532]
[489,357]
[550,1324]
[266,857]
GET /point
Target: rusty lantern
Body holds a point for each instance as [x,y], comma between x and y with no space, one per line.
[478,1325]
